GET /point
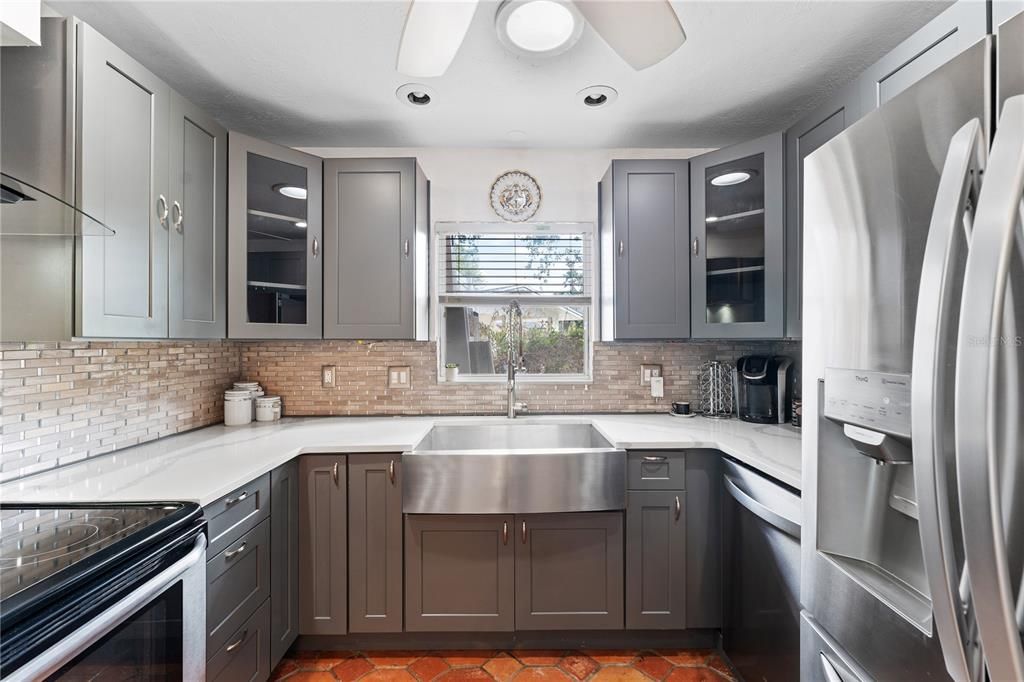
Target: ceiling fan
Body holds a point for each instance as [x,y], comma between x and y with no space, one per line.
[642,32]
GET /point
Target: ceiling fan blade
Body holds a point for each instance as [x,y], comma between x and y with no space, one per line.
[434,30]
[642,32]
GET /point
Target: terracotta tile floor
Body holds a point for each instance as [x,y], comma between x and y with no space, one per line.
[673,665]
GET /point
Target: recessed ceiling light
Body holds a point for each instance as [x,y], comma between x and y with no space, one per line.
[597,96]
[732,178]
[538,28]
[415,94]
[300,223]
[291,191]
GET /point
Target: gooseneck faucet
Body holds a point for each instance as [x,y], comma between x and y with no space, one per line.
[514,361]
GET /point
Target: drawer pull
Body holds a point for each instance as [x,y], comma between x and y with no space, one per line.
[504,533]
[231,502]
[234,645]
[334,473]
[241,548]
[524,532]
[679,508]
[391,471]
[654,458]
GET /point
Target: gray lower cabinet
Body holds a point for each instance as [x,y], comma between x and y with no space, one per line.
[237,582]
[284,558]
[737,253]
[323,545]
[569,572]
[459,573]
[245,656]
[233,515]
[197,266]
[702,512]
[375,543]
[374,209]
[122,180]
[656,560]
[645,228]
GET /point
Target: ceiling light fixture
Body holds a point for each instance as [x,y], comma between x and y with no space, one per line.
[538,28]
[291,191]
[732,178]
[415,95]
[597,96]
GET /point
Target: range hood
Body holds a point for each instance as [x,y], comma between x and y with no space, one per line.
[29,211]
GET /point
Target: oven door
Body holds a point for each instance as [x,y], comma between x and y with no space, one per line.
[156,632]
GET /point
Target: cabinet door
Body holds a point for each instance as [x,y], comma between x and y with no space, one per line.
[275,241]
[802,138]
[944,37]
[323,545]
[650,235]
[1008,21]
[375,538]
[459,573]
[284,558]
[197,293]
[656,560]
[569,571]
[122,181]
[738,232]
[369,219]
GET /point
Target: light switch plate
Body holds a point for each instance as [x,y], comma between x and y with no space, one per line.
[648,371]
[327,376]
[400,377]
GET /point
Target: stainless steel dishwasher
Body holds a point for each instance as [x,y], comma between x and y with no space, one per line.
[761,561]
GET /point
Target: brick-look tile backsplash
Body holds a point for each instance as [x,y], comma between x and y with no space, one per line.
[62,402]
[291,369]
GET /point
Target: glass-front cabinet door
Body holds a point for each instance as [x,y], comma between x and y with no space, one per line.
[737,247]
[275,223]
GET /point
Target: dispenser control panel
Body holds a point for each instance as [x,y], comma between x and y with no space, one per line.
[879,401]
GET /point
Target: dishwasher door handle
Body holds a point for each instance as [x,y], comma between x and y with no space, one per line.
[761,511]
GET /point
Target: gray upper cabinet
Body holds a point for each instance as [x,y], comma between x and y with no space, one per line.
[374,264]
[197,268]
[284,558]
[375,539]
[569,571]
[944,37]
[802,138]
[459,573]
[275,241]
[656,560]
[737,251]
[323,545]
[644,236]
[122,180]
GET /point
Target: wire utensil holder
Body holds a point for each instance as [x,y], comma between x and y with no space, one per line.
[717,389]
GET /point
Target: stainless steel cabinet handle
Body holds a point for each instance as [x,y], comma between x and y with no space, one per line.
[235,552]
[679,508]
[161,209]
[654,458]
[696,245]
[504,533]
[334,473]
[316,247]
[405,248]
[235,500]
[391,471]
[622,247]
[524,532]
[177,217]
[234,645]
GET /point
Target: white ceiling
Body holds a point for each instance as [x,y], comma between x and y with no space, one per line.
[323,73]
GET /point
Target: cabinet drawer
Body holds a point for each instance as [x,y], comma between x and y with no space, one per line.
[233,515]
[656,470]
[237,581]
[245,656]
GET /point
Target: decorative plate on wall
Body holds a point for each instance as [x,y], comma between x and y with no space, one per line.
[515,196]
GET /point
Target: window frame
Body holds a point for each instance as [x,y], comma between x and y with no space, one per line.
[439,300]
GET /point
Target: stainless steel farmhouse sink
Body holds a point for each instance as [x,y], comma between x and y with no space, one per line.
[513,468]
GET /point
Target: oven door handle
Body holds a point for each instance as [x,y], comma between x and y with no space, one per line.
[54,658]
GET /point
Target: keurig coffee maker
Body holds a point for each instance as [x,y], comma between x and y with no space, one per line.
[763,388]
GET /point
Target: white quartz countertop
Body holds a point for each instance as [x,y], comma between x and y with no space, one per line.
[203,465]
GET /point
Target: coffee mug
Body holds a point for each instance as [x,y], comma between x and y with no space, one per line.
[681,408]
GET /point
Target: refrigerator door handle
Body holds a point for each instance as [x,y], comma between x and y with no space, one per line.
[931,398]
[986,394]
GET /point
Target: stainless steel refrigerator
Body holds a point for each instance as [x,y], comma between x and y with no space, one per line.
[912,550]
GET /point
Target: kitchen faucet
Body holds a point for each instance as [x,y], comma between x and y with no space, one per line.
[514,337]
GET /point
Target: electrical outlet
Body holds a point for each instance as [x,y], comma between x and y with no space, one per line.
[400,377]
[327,376]
[657,387]
[647,372]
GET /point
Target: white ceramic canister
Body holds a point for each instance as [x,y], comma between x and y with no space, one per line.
[237,407]
[268,408]
[254,392]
